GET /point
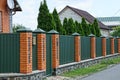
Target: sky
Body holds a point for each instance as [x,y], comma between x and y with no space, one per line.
[97,8]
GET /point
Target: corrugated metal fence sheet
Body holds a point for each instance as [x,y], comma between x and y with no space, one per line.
[9,53]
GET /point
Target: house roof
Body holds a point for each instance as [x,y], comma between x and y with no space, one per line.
[17,6]
[108,19]
[87,16]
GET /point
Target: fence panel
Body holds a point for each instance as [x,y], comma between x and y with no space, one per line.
[9,53]
[108,47]
[116,45]
[34,53]
[48,55]
[67,53]
[85,48]
[98,47]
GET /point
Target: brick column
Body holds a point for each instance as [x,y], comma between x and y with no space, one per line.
[118,45]
[55,49]
[103,46]
[93,46]
[77,47]
[41,49]
[112,45]
[25,50]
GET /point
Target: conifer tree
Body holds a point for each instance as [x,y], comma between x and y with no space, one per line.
[57,21]
[85,27]
[81,31]
[92,29]
[65,26]
[97,28]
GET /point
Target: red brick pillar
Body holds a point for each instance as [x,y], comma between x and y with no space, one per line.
[55,49]
[41,49]
[25,50]
[93,46]
[118,45]
[112,45]
[77,47]
[103,46]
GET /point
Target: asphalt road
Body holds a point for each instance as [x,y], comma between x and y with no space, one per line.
[112,73]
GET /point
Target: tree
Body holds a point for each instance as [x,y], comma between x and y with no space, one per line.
[70,26]
[65,26]
[43,16]
[17,26]
[116,32]
[97,28]
[92,29]
[57,21]
[85,27]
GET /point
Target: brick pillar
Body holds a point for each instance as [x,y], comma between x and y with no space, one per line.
[118,45]
[55,50]
[25,50]
[93,46]
[41,49]
[103,46]
[112,45]
[77,47]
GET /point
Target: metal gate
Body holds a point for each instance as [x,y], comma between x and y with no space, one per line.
[85,48]
[98,47]
[34,52]
[48,55]
[108,47]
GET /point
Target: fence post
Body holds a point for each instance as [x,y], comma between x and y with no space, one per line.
[112,45]
[55,50]
[93,46]
[103,46]
[25,50]
[41,49]
[118,45]
[77,46]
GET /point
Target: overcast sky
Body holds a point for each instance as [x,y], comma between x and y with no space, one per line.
[98,8]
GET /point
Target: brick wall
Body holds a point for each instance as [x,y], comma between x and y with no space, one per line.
[5,16]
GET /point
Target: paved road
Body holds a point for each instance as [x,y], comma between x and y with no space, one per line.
[108,74]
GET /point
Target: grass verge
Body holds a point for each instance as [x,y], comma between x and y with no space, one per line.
[92,69]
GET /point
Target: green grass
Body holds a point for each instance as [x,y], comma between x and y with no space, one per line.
[92,69]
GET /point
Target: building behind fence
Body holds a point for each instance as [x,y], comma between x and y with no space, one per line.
[26,51]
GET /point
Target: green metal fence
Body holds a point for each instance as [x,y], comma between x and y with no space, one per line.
[108,47]
[98,47]
[116,45]
[85,48]
[9,53]
[48,55]
[67,53]
[34,53]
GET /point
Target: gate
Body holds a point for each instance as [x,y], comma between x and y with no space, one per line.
[34,52]
[85,48]
[48,55]
[108,47]
[98,47]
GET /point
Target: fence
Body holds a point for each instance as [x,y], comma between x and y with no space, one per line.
[24,52]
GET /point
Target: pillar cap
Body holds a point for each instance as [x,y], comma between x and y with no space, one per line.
[24,30]
[53,32]
[117,37]
[111,37]
[38,30]
[76,34]
[91,35]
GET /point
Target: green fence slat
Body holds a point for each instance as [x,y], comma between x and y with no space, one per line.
[9,53]
[67,53]
[108,47]
[116,45]
[98,46]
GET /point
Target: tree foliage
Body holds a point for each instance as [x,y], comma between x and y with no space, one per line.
[116,32]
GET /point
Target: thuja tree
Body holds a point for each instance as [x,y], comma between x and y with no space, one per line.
[58,24]
[92,29]
[85,27]
[97,28]
[45,19]
[65,26]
